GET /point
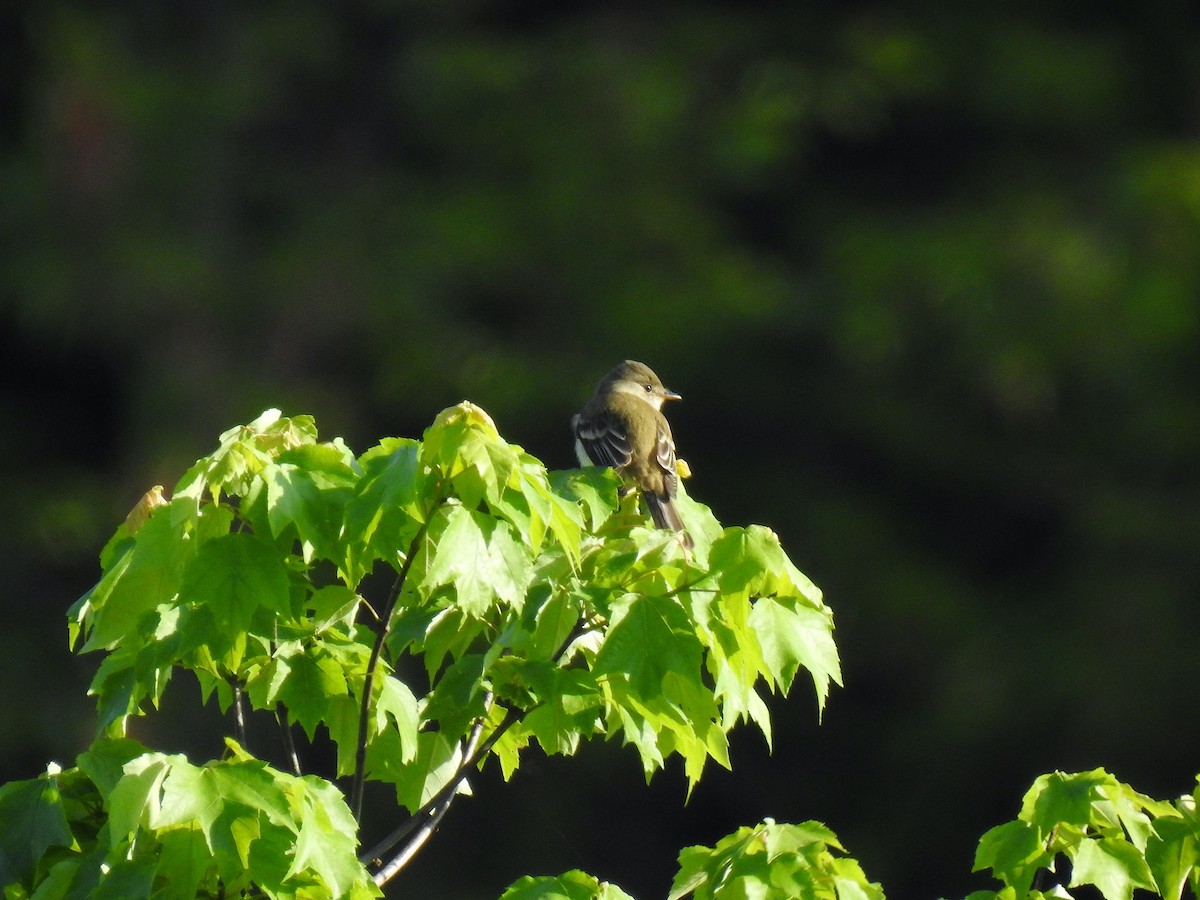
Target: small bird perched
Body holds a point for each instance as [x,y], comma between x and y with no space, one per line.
[622,426]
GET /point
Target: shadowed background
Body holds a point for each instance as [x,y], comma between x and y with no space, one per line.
[926,276]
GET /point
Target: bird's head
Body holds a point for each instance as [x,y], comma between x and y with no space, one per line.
[631,377]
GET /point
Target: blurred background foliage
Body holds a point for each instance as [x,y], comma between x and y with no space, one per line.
[928,276]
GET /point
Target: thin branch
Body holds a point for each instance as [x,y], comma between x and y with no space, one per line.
[447,791]
[281,714]
[360,755]
[289,746]
[418,840]
[426,819]
[239,713]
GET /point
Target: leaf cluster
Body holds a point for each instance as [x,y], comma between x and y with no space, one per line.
[525,606]
[128,822]
[1108,835]
[770,861]
[1089,832]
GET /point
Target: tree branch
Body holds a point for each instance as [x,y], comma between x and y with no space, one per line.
[425,820]
[289,746]
[435,816]
[446,794]
[360,754]
[239,714]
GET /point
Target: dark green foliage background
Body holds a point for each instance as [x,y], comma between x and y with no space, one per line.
[927,276]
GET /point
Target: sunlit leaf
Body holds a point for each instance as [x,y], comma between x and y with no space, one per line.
[1062,799]
[233,576]
[387,507]
[481,560]
[793,636]
[308,488]
[1113,866]
[653,638]
[574,885]
[464,446]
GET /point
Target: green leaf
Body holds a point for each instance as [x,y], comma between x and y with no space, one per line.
[449,633]
[387,508]
[184,862]
[326,840]
[243,453]
[458,697]
[104,762]
[33,822]
[593,489]
[65,878]
[573,885]
[1014,852]
[1112,865]
[792,635]
[436,761]
[189,796]
[774,862]
[253,817]
[304,678]
[735,661]
[1126,807]
[568,706]
[333,604]
[253,784]
[117,689]
[464,446]
[397,704]
[554,623]
[136,795]
[1061,799]
[480,559]
[126,878]
[142,579]
[309,488]
[1172,853]
[751,560]
[532,507]
[233,576]
[652,638]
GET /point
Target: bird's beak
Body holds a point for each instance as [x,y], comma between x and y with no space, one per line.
[668,394]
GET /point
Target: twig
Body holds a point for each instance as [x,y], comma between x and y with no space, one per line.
[435,816]
[289,746]
[425,820]
[447,792]
[360,755]
[281,715]
[239,714]
[415,832]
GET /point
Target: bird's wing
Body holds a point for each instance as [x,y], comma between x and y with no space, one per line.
[604,440]
[664,454]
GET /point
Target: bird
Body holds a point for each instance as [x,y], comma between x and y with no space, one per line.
[622,426]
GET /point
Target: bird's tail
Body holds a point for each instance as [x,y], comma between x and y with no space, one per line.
[666,516]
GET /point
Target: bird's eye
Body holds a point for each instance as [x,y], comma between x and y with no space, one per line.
[649,388]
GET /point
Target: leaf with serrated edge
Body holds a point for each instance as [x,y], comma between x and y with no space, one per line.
[482,561]
[1114,866]
[232,576]
[792,636]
